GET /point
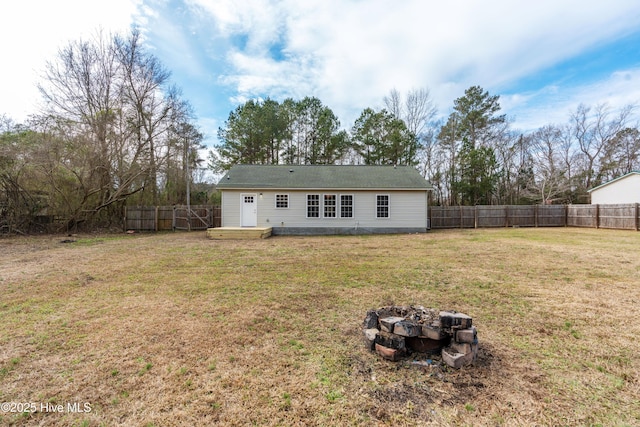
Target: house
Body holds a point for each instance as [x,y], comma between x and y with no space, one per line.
[622,190]
[299,200]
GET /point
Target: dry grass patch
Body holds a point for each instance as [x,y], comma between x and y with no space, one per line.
[175,329]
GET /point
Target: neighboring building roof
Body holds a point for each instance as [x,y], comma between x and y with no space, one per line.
[613,180]
[324,177]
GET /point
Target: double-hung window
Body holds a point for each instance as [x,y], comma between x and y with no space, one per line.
[346,206]
[313,206]
[330,208]
[382,206]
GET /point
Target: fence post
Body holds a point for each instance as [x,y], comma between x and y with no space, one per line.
[637,216]
[475,216]
[506,215]
[597,216]
[535,216]
[124,220]
[566,215]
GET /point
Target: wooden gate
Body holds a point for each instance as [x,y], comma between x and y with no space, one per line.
[195,218]
[161,218]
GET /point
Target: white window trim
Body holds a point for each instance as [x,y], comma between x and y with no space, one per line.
[336,206]
[306,205]
[353,206]
[388,207]
[276,200]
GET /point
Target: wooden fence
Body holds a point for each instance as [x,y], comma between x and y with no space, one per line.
[621,217]
[624,217]
[159,218]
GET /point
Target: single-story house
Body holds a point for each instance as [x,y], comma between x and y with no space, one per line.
[325,199]
[622,190]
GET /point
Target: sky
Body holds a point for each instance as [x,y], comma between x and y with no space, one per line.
[543,58]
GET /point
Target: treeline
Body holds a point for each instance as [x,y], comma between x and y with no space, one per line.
[307,132]
[476,158]
[472,157]
[113,130]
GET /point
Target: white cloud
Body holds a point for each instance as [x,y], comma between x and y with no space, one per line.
[621,88]
[176,38]
[261,21]
[356,51]
[33,31]
[348,53]
[552,105]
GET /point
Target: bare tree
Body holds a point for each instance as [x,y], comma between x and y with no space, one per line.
[6,124]
[594,131]
[152,106]
[112,105]
[17,204]
[505,144]
[551,180]
[433,165]
[393,103]
[622,155]
[418,109]
[449,143]
[82,86]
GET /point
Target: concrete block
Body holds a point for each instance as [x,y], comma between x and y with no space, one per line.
[463,348]
[371,320]
[390,340]
[388,353]
[450,319]
[454,359]
[387,323]
[370,338]
[468,335]
[433,332]
[407,328]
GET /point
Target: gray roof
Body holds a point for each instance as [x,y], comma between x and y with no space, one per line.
[341,177]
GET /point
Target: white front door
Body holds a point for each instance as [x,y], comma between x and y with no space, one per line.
[249,210]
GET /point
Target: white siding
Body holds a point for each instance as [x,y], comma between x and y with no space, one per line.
[621,191]
[407,209]
[231,208]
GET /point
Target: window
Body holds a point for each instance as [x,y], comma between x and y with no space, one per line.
[248,199]
[282,201]
[329,207]
[330,201]
[313,206]
[346,206]
[382,206]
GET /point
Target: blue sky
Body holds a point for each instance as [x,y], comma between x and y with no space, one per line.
[543,58]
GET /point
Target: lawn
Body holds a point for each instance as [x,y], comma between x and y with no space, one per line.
[175,329]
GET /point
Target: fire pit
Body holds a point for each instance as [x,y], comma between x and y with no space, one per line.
[394,332]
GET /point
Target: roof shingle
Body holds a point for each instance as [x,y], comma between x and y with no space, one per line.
[323,177]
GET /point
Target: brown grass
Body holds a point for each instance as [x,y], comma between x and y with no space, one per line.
[174,329]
